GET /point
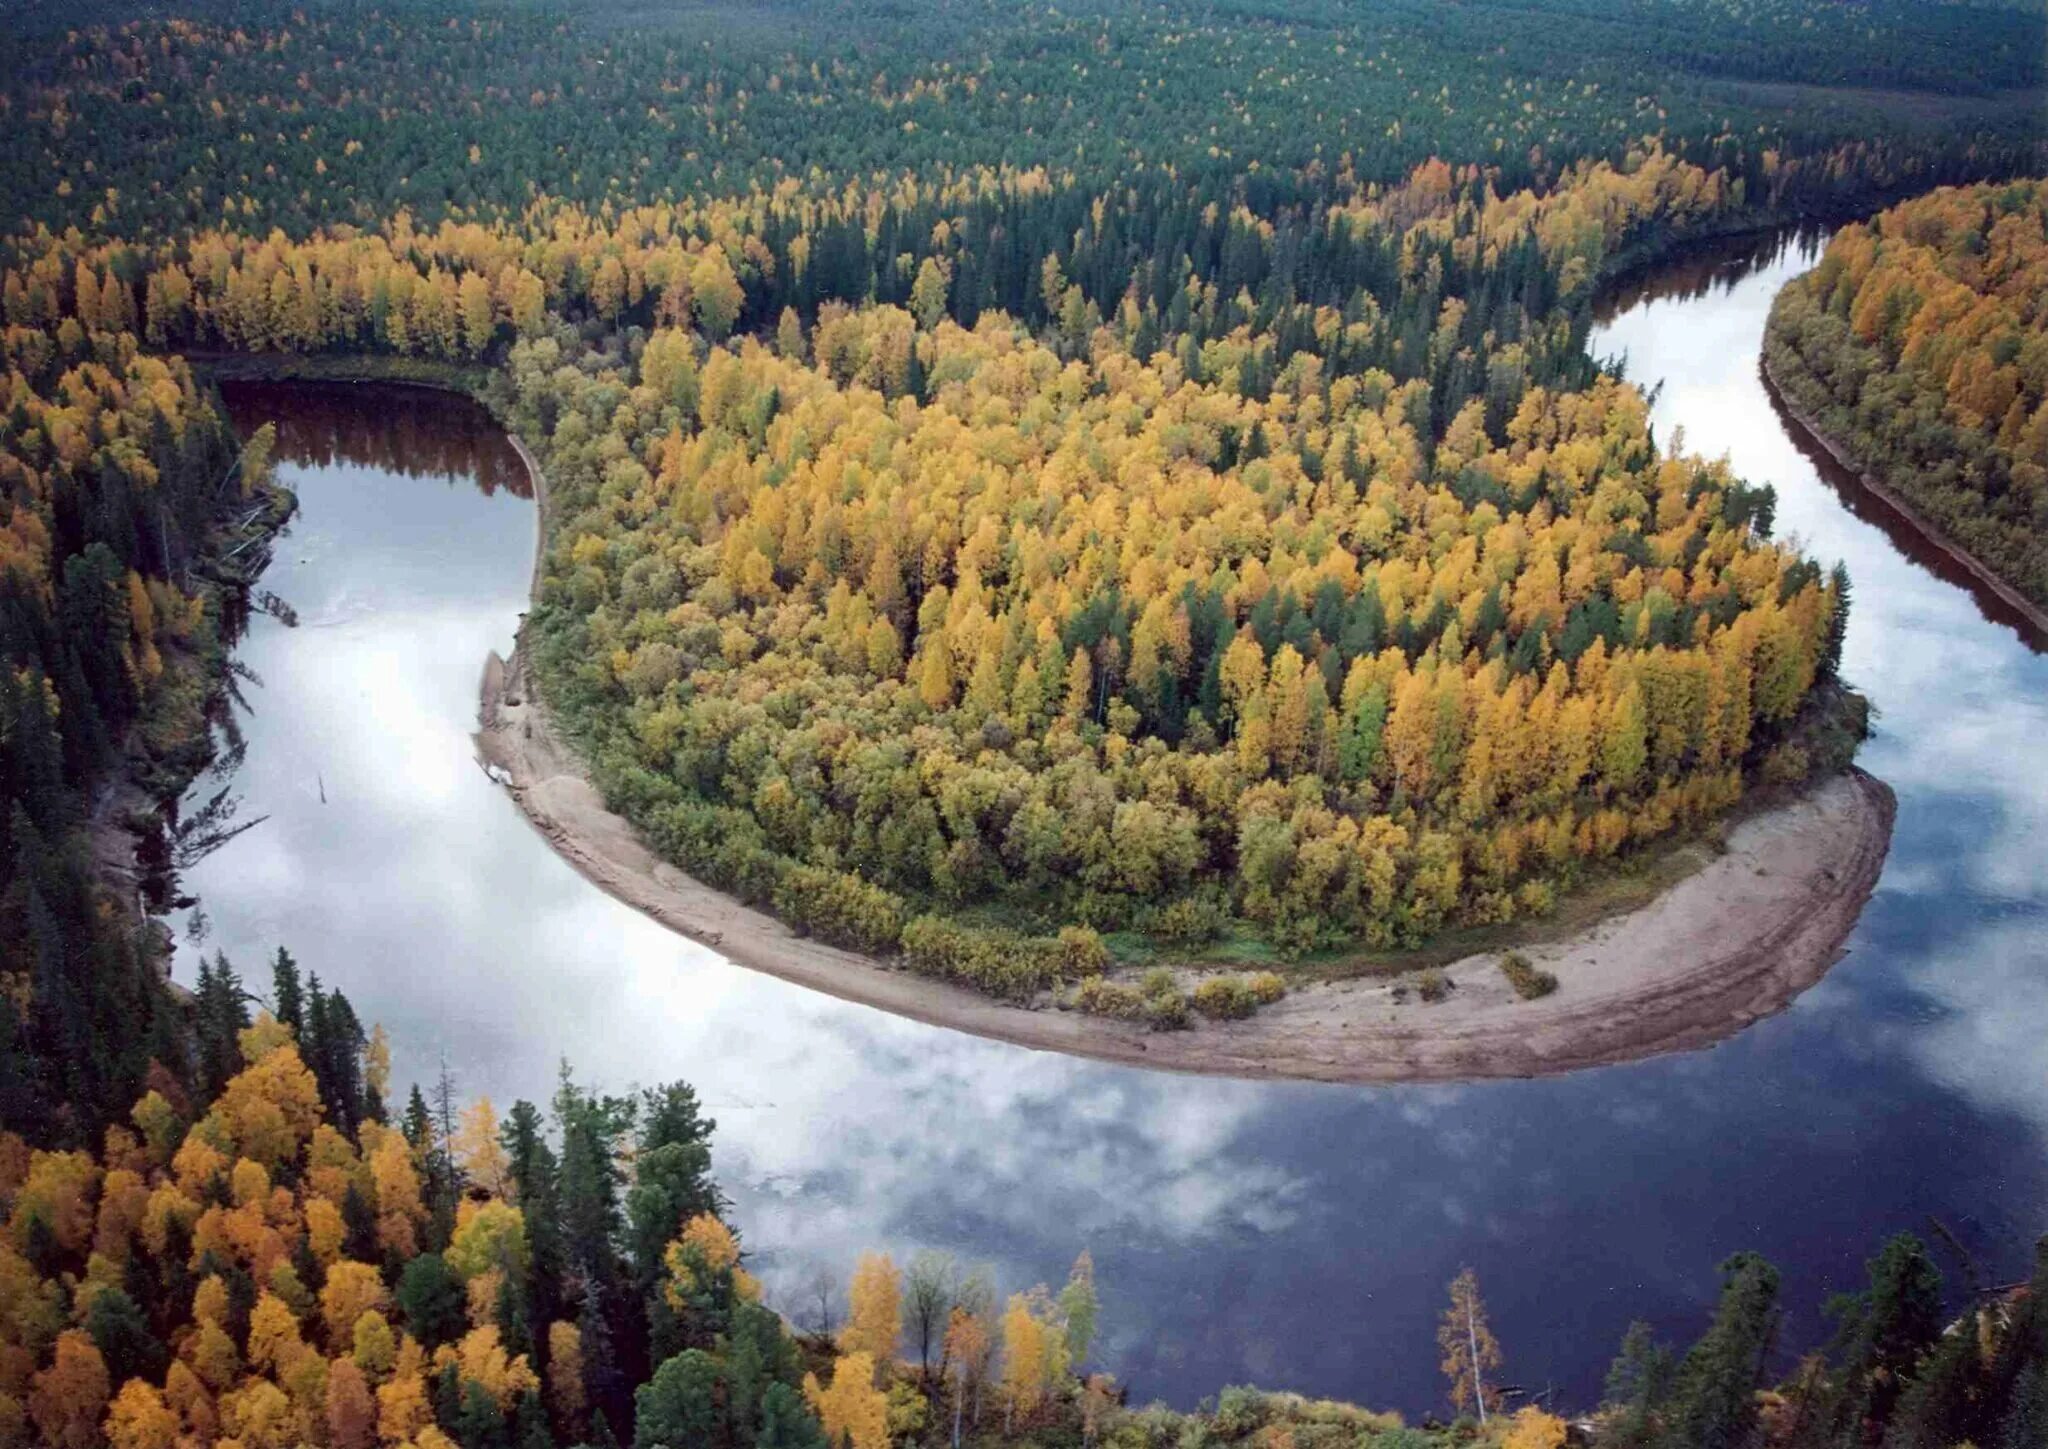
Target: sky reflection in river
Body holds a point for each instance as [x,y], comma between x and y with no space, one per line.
[1292,1234]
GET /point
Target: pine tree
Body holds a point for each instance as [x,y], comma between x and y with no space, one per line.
[289,997]
[1638,1385]
[1883,1332]
[1713,1405]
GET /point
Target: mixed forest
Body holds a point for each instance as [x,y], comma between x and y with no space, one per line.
[1020,481]
[1919,346]
[265,1257]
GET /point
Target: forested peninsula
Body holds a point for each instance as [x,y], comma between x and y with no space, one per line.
[1091,664]
[1918,352]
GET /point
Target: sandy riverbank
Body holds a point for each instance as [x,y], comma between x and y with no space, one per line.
[1733,942]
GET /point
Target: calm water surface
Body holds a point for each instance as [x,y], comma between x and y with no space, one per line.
[1295,1235]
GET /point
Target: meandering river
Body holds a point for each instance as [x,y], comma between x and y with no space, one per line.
[1293,1235]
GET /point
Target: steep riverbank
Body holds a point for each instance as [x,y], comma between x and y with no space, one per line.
[1735,941]
[1809,427]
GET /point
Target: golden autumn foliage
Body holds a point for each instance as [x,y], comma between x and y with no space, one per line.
[66,1399]
[1532,1428]
[701,1255]
[1416,690]
[1920,345]
[851,1406]
[874,1322]
[899,616]
[477,1149]
[303,1366]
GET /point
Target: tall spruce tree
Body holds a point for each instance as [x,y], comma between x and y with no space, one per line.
[1713,1405]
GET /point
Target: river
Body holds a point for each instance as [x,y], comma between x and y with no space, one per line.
[1294,1235]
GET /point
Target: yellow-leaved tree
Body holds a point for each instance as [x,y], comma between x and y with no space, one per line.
[1471,1354]
[875,1302]
[852,1410]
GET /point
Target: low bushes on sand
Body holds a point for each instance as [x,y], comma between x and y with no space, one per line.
[1232,998]
[1529,980]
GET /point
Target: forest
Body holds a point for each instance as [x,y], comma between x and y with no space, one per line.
[1920,346]
[311,114]
[267,1257]
[1408,622]
[1017,486]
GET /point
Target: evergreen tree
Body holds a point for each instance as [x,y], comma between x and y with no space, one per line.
[220,1013]
[672,1176]
[679,1405]
[1713,1404]
[1883,1331]
[432,1297]
[289,996]
[1638,1384]
[787,1422]
[1941,1405]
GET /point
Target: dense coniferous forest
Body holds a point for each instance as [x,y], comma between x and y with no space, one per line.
[292,116]
[1920,346]
[1023,481]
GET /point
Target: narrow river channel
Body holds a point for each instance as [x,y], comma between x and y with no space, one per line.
[1293,1235]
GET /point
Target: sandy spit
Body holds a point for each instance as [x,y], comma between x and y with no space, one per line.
[1732,943]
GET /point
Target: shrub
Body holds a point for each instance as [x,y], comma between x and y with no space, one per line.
[1166,1005]
[1189,921]
[1231,998]
[1160,981]
[1432,985]
[1158,1000]
[840,908]
[1537,897]
[1239,1412]
[1099,996]
[1786,765]
[1529,980]
[1001,963]
[1225,998]
[1081,952]
[1167,1013]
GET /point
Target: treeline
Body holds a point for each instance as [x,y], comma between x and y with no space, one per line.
[116,469]
[1332,303]
[270,1262]
[1919,345]
[277,1261]
[1902,1368]
[1099,667]
[322,114]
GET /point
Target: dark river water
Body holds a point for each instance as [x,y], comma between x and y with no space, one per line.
[1298,1236]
